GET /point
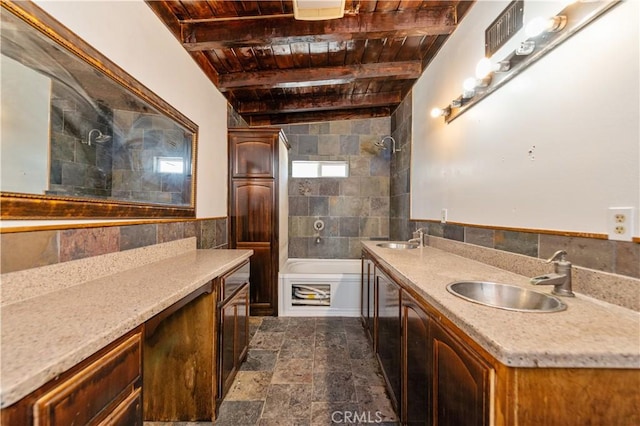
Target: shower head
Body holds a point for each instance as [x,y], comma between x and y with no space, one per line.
[393,144]
[100,138]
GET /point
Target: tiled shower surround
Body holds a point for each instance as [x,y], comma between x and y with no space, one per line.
[352,208]
[24,250]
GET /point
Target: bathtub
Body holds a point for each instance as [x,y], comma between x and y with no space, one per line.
[319,287]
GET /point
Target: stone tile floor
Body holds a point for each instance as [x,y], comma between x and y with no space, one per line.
[306,372]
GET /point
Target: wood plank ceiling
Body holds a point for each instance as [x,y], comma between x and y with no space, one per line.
[274,69]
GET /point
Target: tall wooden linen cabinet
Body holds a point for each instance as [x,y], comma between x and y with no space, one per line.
[258,208]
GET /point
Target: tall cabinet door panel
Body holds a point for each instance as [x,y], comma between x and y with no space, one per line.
[417,364]
[461,382]
[253,210]
[253,156]
[262,291]
[389,340]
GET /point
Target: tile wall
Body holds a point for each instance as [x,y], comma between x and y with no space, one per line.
[24,250]
[399,225]
[76,167]
[352,208]
[616,257]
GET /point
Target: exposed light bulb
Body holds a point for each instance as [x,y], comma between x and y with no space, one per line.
[541,25]
[483,68]
[440,112]
[436,112]
[536,26]
[469,84]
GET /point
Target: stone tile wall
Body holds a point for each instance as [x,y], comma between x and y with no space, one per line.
[618,257]
[24,250]
[352,208]
[399,226]
[77,168]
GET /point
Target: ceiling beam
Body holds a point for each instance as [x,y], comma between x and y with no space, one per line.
[209,35]
[321,116]
[331,102]
[306,77]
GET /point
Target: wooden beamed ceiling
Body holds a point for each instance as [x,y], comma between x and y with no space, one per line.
[274,69]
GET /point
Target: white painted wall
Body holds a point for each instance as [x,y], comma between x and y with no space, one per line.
[132,36]
[577,111]
[25,103]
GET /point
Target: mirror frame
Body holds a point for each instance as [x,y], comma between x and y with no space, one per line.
[15,205]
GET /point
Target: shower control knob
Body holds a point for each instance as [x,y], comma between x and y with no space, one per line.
[318,225]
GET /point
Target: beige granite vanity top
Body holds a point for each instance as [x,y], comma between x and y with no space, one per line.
[589,334]
[45,335]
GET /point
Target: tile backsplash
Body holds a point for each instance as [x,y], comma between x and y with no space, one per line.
[617,257]
[25,250]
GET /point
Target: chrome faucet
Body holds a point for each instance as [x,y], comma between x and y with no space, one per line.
[561,278]
[418,237]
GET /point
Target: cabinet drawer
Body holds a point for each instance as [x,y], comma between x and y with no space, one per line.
[128,413]
[94,390]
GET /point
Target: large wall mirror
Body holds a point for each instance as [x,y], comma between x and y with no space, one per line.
[79,136]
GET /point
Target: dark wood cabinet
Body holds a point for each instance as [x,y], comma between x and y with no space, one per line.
[461,382]
[447,378]
[103,389]
[388,333]
[257,190]
[432,376]
[417,364]
[233,329]
[179,355]
[367,297]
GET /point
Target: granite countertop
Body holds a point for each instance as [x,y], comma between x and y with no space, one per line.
[589,334]
[44,336]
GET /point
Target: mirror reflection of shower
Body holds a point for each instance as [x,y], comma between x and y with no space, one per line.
[380,144]
[100,138]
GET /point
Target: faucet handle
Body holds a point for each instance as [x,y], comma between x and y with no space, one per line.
[559,255]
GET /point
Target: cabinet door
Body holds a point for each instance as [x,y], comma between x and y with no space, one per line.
[234,335]
[252,211]
[252,227]
[416,364]
[242,325]
[252,154]
[388,337]
[367,297]
[179,368]
[461,382]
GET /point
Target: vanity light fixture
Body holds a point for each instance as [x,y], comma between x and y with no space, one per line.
[485,68]
[526,48]
[542,25]
[543,35]
[440,112]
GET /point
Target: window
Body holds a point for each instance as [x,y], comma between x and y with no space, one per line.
[318,169]
[169,165]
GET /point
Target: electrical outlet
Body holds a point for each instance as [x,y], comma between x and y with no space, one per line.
[443,216]
[620,223]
